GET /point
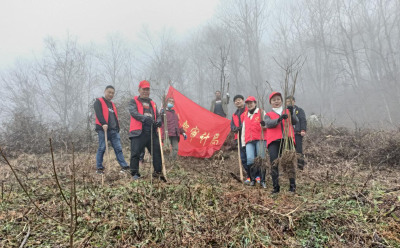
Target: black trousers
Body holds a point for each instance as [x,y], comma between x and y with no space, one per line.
[299,149]
[275,150]
[137,146]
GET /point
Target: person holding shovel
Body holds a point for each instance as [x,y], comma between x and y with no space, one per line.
[143,132]
[107,128]
[236,128]
[275,122]
[173,129]
[300,129]
[253,138]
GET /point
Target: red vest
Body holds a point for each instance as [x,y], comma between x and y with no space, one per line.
[106,113]
[235,119]
[135,124]
[276,133]
[253,127]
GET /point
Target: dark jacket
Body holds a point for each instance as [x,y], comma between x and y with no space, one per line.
[301,115]
[99,114]
[224,102]
[133,110]
[173,124]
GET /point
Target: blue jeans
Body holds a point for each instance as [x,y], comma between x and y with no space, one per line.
[243,156]
[252,151]
[113,137]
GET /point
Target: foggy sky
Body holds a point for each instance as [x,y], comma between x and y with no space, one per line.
[24,24]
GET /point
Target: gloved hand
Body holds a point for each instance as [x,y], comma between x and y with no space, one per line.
[290,108]
[184,136]
[262,123]
[158,124]
[236,129]
[148,120]
[283,117]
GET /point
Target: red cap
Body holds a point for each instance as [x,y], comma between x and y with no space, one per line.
[274,94]
[144,84]
[251,99]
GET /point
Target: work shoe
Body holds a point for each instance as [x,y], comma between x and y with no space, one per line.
[160,176]
[253,183]
[292,188]
[136,177]
[258,179]
[247,181]
[100,171]
[124,169]
[276,189]
[263,185]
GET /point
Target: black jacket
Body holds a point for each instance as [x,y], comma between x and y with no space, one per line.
[112,119]
[133,110]
[301,115]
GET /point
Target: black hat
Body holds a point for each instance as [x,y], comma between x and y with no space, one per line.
[238,96]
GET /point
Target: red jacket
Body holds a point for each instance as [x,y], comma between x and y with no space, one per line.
[235,120]
[106,113]
[276,133]
[172,123]
[251,129]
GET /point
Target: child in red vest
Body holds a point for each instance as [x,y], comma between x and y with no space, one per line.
[253,138]
[275,122]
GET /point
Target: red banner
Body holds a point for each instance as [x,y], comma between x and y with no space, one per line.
[206,131]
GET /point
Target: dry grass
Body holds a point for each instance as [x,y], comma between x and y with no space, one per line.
[340,202]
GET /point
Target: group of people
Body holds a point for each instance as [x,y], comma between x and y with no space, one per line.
[143,130]
[254,129]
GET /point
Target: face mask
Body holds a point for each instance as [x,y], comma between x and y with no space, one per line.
[170,105]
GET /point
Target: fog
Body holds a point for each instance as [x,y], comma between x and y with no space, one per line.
[350,51]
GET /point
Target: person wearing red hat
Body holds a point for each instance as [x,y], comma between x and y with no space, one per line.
[107,121]
[275,122]
[144,123]
[253,138]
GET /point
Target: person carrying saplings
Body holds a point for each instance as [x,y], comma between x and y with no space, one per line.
[300,129]
[275,122]
[253,138]
[173,129]
[236,128]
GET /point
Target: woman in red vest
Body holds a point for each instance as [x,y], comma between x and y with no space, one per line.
[253,138]
[275,122]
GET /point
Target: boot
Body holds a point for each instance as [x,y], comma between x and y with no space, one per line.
[253,183]
[292,187]
[275,184]
[159,176]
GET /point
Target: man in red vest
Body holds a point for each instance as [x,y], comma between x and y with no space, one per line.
[107,121]
[144,123]
[236,127]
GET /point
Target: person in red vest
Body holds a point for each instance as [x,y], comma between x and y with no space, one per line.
[275,122]
[236,128]
[253,138]
[144,123]
[173,129]
[107,121]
